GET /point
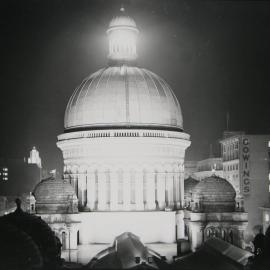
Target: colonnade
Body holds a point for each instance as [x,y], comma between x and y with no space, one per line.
[128,190]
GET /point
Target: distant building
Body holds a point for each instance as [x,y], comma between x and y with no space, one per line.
[246,167]
[34,157]
[19,175]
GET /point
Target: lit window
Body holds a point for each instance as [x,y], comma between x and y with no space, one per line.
[266,217]
[5,169]
[5,178]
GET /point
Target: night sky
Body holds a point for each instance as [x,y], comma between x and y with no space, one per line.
[215,56]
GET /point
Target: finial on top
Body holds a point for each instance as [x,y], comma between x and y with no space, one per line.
[122,9]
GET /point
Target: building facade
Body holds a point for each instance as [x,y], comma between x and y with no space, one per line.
[246,167]
[212,212]
[18,175]
[124,147]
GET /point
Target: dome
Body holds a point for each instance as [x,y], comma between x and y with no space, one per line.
[123,96]
[215,194]
[54,195]
[190,184]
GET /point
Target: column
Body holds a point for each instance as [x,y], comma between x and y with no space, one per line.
[75,183]
[177,189]
[126,190]
[182,188]
[169,180]
[91,191]
[161,190]
[83,189]
[197,229]
[180,224]
[80,183]
[150,190]
[139,190]
[101,191]
[114,190]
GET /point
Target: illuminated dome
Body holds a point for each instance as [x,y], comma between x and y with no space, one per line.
[55,195]
[215,194]
[123,96]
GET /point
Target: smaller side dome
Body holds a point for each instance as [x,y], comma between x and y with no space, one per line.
[214,194]
[189,185]
[55,196]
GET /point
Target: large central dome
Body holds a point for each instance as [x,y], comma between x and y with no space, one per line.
[123,96]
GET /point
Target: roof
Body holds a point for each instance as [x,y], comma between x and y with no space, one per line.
[123,253]
[215,194]
[52,190]
[122,21]
[214,254]
[123,96]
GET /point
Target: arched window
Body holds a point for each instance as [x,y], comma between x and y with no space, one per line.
[230,237]
[223,235]
[210,232]
[64,243]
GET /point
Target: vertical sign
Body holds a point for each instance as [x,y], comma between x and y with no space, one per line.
[245,155]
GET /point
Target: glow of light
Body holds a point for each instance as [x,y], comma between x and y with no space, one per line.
[122,43]
[267,217]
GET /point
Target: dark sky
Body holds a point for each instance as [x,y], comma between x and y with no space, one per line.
[215,55]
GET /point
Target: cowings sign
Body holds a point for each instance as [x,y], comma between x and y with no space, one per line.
[245,166]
